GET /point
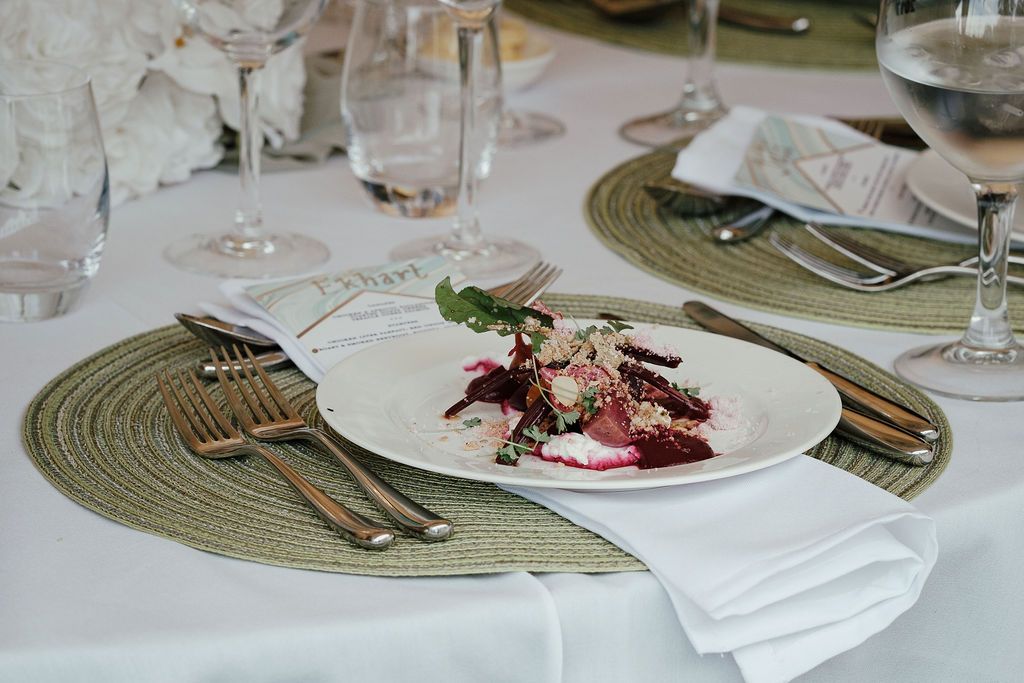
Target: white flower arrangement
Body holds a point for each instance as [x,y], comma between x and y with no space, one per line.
[162,96]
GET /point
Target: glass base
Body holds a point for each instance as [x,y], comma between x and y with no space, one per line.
[232,256]
[33,306]
[959,371]
[671,129]
[492,259]
[406,202]
[521,128]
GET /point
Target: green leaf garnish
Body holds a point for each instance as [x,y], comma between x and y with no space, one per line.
[584,334]
[508,453]
[471,422]
[534,432]
[589,399]
[619,326]
[691,392]
[482,312]
[565,420]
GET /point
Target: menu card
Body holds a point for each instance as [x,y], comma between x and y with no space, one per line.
[325,317]
[813,169]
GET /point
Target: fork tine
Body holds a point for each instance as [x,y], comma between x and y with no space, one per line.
[821,267]
[254,414]
[175,411]
[503,290]
[187,409]
[194,404]
[243,415]
[522,290]
[543,285]
[523,284]
[859,252]
[214,410]
[282,402]
[268,407]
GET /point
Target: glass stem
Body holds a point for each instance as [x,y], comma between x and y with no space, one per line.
[990,329]
[249,214]
[699,91]
[467,234]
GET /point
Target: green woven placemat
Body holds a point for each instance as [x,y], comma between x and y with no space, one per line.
[674,247]
[100,434]
[837,39]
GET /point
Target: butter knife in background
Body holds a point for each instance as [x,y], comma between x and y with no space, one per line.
[763,22]
[644,10]
[853,394]
[218,332]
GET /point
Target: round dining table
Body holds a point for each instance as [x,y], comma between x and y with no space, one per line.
[83,598]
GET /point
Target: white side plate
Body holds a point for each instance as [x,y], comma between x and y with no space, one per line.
[390,399]
[948,193]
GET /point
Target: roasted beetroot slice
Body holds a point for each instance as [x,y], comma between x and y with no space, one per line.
[694,407]
[518,398]
[610,425]
[646,356]
[500,393]
[485,388]
[537,411]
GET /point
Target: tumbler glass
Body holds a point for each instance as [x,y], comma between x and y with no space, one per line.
[54,200]
[400,104]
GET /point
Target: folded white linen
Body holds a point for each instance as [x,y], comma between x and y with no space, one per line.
[714,158]
[784,567]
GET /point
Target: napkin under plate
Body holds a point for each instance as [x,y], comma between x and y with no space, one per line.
[784,568]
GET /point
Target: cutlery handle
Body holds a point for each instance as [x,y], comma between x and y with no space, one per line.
[410,515]
[868,401]
[883,438]
[763,22]
[271,360]
[352,525]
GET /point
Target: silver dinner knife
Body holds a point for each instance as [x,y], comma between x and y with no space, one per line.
[854,395]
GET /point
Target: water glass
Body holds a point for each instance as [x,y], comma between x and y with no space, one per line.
[400,105]
[54,200]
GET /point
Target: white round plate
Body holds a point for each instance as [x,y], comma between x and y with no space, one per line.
[947,191]
[390,399]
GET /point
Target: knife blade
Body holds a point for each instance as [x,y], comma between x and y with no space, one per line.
[854,395]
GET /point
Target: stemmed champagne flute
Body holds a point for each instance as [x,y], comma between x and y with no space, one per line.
[476,256]
[249,32]
[700,104]
[955,70]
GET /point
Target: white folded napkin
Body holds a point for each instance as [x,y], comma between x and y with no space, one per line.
[870,177]
[784,567]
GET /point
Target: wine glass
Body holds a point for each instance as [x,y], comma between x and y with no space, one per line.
[518,127]
[956,72]
[700,104]
[476,256]
[249,32]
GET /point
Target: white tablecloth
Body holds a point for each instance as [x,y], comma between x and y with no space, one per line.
[86,599]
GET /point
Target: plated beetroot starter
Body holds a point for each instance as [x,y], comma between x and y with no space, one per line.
[577,395]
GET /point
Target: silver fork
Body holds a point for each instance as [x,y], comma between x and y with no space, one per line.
[530,285]
[267,414]
[864,282]
[876,260]
[209,434]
